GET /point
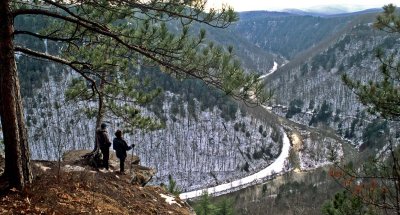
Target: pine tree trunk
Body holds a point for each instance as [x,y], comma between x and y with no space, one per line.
[100,114]
[101,109]
[17,157]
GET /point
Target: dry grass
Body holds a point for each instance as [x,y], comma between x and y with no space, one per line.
[86,192]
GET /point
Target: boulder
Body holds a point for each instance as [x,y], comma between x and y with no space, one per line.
[141,175]
[79,157]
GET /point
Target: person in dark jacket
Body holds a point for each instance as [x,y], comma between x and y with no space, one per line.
[120,146]
[104,144]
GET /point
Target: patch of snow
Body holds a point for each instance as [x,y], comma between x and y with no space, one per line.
[44,168]
[267,107]
[69,168]
[170,199]
[272,196]
[105,170]
[46,47]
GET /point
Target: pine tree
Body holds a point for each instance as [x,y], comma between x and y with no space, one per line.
[172,186]
[374,186]
[344,203]
[224,207]
[382,97]
[204,206]
[99,37]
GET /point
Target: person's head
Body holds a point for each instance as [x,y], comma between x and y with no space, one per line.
[103,126]
[118,134]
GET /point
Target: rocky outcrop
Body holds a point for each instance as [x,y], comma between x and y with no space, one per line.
[68,187]
[140,175]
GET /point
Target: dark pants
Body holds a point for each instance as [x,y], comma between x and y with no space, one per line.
[122,164]
[106,156]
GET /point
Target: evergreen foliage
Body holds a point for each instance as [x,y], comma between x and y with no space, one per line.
[323,115]
[295,107]
[224,207]
[205,206]
[307,29]
[246,165]
[344,203]
[376,134]
[32,72]
[382,97]
[101,41]
[374,186]
[173,187]
[111,60]
[189,91]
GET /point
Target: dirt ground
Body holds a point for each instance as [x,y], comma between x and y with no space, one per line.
[69,191]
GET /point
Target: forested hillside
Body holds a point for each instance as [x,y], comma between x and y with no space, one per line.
[312,89]
[207,138]
[287,34]
[195,115]
[199,121]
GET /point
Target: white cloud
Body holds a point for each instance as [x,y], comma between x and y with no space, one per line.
[246,5]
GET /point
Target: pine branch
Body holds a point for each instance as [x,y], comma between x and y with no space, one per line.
[72,65]
[70,39]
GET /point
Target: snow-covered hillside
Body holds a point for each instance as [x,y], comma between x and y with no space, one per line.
[195,152]
[312,89]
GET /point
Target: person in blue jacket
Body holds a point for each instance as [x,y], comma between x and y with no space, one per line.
[120,146]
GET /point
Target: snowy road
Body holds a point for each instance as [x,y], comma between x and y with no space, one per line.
[276,167]
[274,68]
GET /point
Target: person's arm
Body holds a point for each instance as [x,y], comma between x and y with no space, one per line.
[106,139]
[127,148]
[115,144]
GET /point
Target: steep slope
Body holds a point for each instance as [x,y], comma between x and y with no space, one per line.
[313,80]
[253,58]
[202,146]
[208,139]
[287,35]
[62,188]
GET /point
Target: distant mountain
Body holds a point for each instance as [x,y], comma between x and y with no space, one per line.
[287,34]
[332,9]
[330,12]
[243,16]
[367,11]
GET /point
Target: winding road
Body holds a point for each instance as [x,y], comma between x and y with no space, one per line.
[276,167]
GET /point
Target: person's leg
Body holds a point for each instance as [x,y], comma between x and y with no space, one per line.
[106,156]
[122,165]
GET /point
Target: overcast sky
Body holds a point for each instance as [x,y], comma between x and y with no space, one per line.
[247,5]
